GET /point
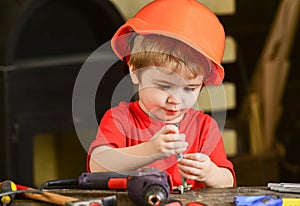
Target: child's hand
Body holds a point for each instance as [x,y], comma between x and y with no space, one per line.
[197,166]
[167,141]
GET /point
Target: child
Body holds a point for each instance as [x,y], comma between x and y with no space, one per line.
[172,49]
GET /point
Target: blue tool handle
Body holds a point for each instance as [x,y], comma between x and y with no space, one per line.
[266,200]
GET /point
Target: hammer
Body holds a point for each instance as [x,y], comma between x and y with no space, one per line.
[58,199]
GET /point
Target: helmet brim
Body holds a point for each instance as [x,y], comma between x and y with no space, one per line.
[121,38]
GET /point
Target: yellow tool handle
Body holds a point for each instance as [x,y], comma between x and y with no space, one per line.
[7,186]
[290,201]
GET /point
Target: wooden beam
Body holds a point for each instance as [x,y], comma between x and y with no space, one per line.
[271,73]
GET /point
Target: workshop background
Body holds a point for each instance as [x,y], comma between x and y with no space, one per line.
[43,44]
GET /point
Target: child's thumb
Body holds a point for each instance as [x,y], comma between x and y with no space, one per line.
[201,157]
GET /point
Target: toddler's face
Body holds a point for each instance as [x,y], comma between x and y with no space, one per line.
[167,96]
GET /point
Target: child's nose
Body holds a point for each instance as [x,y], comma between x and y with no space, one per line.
[173,99]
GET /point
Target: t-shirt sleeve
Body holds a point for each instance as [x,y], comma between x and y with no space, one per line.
[110,132]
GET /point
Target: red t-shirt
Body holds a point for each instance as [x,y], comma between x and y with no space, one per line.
[127,125]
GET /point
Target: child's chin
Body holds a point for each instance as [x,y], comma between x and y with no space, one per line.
[172,119]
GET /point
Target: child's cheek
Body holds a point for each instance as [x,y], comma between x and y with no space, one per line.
[189,101]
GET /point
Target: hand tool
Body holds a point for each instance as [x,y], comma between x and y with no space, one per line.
[149,187]
[46,196]
[10,189]
[105,201]
[265,200]
[7,192]
[58,199]
[93,180]
[145,186]
[285,187]
[184,187]
[195,204]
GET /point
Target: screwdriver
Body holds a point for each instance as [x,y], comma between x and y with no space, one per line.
[9,187]
[184,185]
[265,200]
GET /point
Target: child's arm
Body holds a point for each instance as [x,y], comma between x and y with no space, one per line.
[164,143]
[199,167]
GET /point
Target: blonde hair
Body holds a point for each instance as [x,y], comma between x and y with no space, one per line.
[169,55]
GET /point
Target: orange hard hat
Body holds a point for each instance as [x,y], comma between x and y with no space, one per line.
[186,20]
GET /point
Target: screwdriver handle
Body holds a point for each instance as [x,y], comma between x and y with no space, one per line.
[7,186]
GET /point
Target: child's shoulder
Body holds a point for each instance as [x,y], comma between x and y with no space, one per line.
[119,112]
[124,106]
[198,114]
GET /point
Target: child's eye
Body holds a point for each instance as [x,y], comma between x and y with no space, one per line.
[164,86]
[189,89]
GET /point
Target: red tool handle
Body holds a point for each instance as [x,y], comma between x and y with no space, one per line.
[49,197]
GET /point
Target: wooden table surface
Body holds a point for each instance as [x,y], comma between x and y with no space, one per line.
[209,196]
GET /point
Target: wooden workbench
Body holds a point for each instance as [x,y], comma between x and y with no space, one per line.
[209,196]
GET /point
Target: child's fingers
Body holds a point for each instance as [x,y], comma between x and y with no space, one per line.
[175,137]
[177,145]
[191,169]
[170,128]
[189,175]
[194,161]
[168,141]
[184,162]
[196,156]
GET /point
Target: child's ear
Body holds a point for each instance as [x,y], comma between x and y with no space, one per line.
[133,75]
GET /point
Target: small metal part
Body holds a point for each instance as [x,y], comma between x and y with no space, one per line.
[154,200]
[177,124]
[188,187]
[184,187]
[179,155]
[148,186]
[105,201]
[155,194]
[181,188]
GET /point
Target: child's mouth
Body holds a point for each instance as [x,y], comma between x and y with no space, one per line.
[171,111]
